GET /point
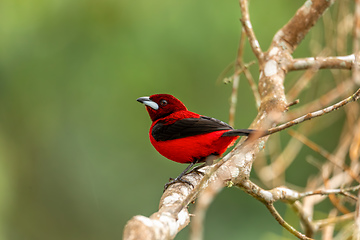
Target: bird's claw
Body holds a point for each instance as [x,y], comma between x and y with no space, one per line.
[196,170]
[176,180]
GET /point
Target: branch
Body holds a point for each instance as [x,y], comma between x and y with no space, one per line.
[165,223]
[245,20]
[268,197]
[288,195]
[202,204]
[271,196]
[239,68]
[236,79]
[283,223]
[173,215]
[340,62]
[305,218]
[325,154]
[315,114]
[318,224]
[290,36]
[356,39]
[341,191]
[326,99]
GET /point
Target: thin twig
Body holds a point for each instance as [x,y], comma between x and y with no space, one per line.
[315,114]
[236,79]
[254,43]
[307,76]
[319,224]
[324,153]
[332,191]
[336,201]
[328,230]
[305,218]
[283,223]
[293,103]
[252,84]
[279,165]
[324,100]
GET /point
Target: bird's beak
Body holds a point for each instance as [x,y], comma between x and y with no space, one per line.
[146,101]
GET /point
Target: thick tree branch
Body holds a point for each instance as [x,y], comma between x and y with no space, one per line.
[290,36]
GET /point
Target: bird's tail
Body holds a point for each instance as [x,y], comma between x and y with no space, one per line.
[238,132]
[246,132]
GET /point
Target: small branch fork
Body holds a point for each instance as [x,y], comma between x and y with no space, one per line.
[234,168]
[268,197]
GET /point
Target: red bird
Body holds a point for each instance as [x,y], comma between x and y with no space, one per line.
[186,137]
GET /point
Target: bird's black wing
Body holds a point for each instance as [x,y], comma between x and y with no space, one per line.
[187,127]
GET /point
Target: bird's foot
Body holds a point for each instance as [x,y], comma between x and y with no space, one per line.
[196,169]
[176,180]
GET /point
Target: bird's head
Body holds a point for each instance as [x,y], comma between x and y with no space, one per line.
[161,105]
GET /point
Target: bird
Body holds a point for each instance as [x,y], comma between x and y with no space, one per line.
[184,136]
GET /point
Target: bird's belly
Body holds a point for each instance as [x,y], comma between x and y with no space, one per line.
[186,150]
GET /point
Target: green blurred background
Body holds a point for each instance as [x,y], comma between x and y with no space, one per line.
[75,159]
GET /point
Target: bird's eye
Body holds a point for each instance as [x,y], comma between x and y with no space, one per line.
[163,102]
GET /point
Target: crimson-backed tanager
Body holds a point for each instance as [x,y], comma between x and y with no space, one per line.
[186,137]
